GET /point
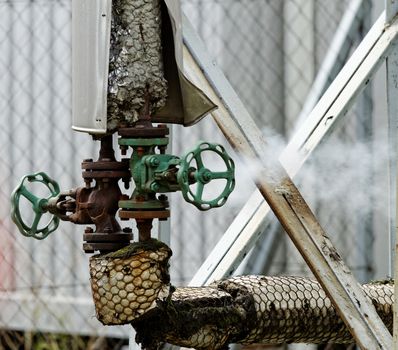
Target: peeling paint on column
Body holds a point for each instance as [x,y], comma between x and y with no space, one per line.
[136,64]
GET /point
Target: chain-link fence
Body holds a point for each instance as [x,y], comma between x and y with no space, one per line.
[272,52]
[44,285]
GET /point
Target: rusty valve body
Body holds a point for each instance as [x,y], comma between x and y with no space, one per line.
[101,204]
[97,204]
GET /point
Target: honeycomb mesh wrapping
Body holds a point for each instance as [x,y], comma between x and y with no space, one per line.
[134,287]
[296,309]
[124,288]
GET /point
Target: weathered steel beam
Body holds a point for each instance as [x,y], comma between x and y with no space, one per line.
[280,192]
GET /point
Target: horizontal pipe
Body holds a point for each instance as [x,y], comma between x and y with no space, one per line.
[253,310]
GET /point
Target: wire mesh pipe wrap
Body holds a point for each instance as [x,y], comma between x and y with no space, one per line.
[253,309]
[136,74]
[132,286]
[127,283]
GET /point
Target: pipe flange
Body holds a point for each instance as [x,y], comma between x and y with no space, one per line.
[144,132]
[105,242]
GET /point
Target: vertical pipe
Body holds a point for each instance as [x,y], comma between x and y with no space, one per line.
[164,227]
[391,9]
[392,108]
[364,122]
[364,214]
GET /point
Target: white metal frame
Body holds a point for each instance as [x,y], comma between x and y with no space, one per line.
[303,143]
[335,102]
[368,330]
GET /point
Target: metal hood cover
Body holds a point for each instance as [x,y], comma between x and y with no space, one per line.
[91,29]
[187,104]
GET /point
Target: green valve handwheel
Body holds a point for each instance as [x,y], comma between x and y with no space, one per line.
[193,180]
[38,205]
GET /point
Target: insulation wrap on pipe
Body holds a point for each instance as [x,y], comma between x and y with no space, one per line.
[146,67]
[136,61]
[133,286]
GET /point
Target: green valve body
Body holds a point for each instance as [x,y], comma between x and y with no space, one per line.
[161,173]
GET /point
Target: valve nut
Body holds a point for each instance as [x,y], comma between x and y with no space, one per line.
[153,162]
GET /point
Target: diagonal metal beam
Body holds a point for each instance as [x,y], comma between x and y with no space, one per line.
[251,222]
[281,194]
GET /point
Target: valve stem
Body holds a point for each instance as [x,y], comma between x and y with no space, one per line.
[144,227]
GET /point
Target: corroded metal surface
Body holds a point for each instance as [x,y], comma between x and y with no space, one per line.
[136,63]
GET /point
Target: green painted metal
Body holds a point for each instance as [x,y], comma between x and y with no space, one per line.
[152,173]
[162,173]
[162,141]
[201,176]
[39,206]
[145,205]
[159,175]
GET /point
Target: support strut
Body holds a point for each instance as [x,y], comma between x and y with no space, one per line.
[286,201]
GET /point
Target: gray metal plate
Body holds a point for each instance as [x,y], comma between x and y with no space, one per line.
[91,24]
